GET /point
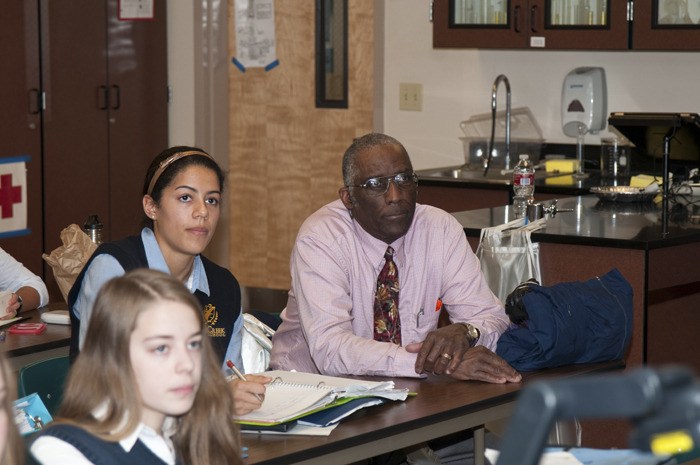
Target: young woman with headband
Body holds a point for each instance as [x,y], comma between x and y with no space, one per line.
[181,200]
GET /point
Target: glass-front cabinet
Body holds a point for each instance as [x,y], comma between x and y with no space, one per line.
[567,24]
[666,25]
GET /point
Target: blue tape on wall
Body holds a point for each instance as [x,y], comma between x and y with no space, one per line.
[238,64]
[16,159]
[241,67]
[272,65]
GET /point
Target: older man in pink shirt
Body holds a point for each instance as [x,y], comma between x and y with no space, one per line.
[330,324]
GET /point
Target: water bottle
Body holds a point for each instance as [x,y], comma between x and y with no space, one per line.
[523,185]
[93,228]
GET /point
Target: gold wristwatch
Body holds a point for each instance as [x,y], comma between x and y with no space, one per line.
[473,334]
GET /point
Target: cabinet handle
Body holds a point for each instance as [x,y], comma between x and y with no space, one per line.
[533,18]
[117,93]
[102,97]
[34,101]
[516,18]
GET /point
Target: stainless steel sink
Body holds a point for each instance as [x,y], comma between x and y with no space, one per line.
[459,173]
[494,176]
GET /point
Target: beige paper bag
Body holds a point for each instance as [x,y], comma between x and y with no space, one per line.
[68,260]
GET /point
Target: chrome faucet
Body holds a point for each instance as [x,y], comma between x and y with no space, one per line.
[494,91]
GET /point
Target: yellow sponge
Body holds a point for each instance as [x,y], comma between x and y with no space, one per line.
[643,180]
[563,165]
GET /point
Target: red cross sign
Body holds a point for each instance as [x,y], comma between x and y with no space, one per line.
[13,196]
[9,195]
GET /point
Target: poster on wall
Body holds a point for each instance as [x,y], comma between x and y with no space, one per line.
[13,196]
[255,35]
[136,10]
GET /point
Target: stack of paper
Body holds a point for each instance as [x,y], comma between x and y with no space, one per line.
[293,395]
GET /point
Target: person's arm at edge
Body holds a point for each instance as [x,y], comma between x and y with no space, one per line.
[31,298]
[21,281]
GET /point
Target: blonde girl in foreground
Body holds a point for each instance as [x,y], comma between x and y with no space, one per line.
[146,387]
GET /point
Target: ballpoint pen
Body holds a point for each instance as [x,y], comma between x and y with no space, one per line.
[239,375]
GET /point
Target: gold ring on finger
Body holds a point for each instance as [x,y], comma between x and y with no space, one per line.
[447,356]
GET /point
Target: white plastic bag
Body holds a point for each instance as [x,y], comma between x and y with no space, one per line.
[508,256]
[256,344]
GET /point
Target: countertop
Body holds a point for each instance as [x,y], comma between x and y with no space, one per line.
[546,183]
[598,223]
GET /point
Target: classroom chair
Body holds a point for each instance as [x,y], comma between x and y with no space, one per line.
[45,377]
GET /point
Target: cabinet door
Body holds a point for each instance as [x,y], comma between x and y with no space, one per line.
[20,120]
[75,119]
[578,24]
[666,25]
[138,114]
[538,24]
[480,23]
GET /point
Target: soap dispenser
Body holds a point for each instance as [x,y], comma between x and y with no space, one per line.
[584,101]
[584,106]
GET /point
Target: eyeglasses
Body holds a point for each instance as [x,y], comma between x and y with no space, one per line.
[380,185]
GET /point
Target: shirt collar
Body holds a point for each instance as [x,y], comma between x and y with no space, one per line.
[128,442]
[198,278]
[375,248]
[141,431]
[145,433]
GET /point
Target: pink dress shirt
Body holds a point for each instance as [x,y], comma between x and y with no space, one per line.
[327,326]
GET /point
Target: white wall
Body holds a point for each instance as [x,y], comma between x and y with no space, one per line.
[198,77]
[181,72]
[457,84]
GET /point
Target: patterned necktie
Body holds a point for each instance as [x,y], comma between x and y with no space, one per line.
[387,324]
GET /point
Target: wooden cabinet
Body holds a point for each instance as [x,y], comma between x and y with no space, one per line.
[105,116]
[457,198]
[531,24]
[87,99]
[20,120]
[566,24]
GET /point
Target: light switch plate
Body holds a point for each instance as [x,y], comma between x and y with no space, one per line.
[410,96]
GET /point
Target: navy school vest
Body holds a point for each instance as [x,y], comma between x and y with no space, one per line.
[101,452]
[221,308]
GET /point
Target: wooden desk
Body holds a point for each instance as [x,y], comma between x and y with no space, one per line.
[21,349]
[442,406]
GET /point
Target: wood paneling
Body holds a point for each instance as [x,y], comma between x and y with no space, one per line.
[285,154]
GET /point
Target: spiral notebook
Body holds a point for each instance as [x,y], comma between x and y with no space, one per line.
[292,395]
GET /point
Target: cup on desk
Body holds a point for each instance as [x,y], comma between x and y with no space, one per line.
[614,162]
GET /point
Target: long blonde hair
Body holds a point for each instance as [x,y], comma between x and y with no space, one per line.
[103,375]
[14,444]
